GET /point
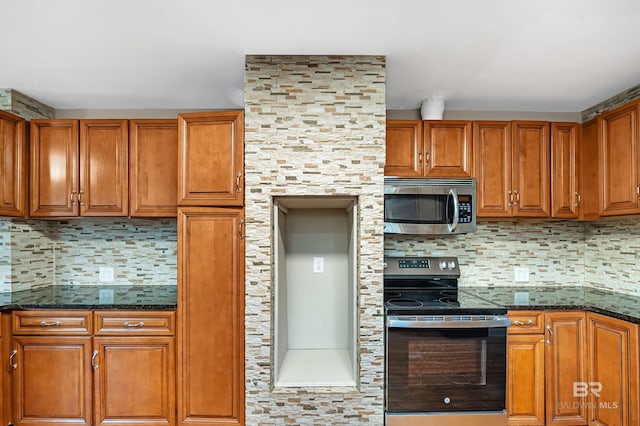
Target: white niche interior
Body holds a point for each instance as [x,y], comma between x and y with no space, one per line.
[315,291]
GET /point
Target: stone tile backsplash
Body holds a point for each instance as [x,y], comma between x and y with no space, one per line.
[71,252]
[599,254]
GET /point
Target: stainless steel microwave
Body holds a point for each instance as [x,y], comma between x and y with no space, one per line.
[429,206]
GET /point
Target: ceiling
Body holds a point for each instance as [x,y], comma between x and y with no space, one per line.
[497,55]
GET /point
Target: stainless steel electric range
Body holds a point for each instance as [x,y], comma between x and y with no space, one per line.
[445,347]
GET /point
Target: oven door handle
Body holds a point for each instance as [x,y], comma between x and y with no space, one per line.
[444,322]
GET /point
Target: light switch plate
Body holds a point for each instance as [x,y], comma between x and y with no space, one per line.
[521,298]
[106,274]
[106,295]
[318,265]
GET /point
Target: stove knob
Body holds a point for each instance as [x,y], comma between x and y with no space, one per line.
[442,265]
[385,265]
[447,400]
[451,264]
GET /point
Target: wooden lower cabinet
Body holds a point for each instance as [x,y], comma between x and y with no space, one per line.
[525,379]
[134,380]
[123,372]
[613,377]
[52,380]
[565,365]
[525,368]
[210,316]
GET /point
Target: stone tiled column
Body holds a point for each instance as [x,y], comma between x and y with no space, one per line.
[314,125]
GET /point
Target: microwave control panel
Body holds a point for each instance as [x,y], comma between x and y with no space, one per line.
[465,209]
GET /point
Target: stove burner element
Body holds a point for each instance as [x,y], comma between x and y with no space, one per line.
[405,303]
[448,300]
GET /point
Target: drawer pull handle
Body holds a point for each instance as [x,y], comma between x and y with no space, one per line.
[11,357]
[138,324]
[93,360]
[516,322]
[50,324]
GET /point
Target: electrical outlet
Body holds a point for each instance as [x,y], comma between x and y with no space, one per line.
[521,274]
[106,295]
[318,265]
[106,274]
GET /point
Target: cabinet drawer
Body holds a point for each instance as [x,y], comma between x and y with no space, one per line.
[526,322]
[51,322]
[156,323]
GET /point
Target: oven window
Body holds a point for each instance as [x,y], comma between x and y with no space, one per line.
[445,369]
[444,362]
[427,209]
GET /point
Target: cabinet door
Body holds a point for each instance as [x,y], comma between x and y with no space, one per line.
[492,153]
[13,165]
[104,187]
[589,208]
[613,371]
[448,149]
[52,380]
[153,168]
[54,168]
[210,316]
[530,178]
[404,148]
[211,159]
[619,162]
[565,365]
[134,380]
[565,198]
[525,379]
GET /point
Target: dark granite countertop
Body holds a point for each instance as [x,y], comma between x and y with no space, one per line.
[88,297]
[617,305]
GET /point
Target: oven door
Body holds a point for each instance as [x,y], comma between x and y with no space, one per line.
[435,365]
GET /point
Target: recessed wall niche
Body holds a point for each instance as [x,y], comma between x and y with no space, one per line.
[315,274]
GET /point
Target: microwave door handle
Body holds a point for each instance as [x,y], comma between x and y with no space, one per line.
[456,217]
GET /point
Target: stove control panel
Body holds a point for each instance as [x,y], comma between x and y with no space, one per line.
[421,266]
[413,263]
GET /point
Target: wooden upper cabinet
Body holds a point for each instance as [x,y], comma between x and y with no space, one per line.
[54,168]
[433,148]
[589,208]
[620,188]
[530,177]
[492,153]
[613,364]
[13,165]
[447,149]
[565,195]
[79,168]
[104,186]
[404,148]
[211,159]
[153,168]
